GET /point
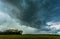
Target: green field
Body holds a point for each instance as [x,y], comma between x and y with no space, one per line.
[29,36]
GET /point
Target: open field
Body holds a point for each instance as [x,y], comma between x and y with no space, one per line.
[29,36]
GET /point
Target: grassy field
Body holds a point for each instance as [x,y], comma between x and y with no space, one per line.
[29,36]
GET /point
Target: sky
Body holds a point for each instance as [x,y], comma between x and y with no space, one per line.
[31,16]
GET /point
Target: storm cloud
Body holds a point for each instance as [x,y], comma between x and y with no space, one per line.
[37,15]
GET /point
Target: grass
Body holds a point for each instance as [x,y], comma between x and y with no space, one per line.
[29,36]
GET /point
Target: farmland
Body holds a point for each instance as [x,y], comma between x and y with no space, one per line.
[29,36]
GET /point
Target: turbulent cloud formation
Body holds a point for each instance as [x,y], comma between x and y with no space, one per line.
[31,16]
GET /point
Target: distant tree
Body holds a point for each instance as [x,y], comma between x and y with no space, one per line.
[11,32]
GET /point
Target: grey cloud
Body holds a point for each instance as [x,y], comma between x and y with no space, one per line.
[31,13]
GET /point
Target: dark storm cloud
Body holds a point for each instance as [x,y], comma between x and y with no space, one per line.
[35,13]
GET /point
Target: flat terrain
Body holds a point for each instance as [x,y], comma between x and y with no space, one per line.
[29,36]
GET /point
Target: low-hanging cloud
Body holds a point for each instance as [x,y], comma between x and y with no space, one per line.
[34,15]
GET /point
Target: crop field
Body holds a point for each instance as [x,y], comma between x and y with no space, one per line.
[29,36]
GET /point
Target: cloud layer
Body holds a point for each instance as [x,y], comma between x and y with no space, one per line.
[31,16]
